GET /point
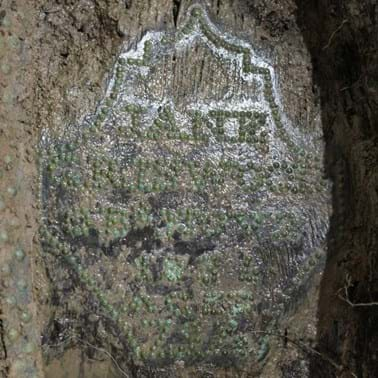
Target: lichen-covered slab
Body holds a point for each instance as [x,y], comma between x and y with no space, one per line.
[184,213]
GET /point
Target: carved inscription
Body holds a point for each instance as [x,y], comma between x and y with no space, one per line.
[186,209]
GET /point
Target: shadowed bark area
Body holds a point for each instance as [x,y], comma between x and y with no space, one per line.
[342,39]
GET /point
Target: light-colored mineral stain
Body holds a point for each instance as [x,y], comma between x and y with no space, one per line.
[186,211]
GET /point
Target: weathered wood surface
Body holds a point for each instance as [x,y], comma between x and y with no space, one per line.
[68,72]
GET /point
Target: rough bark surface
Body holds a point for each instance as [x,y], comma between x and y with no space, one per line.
[55,58]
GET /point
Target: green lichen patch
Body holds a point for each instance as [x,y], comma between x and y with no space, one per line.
[181,226]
